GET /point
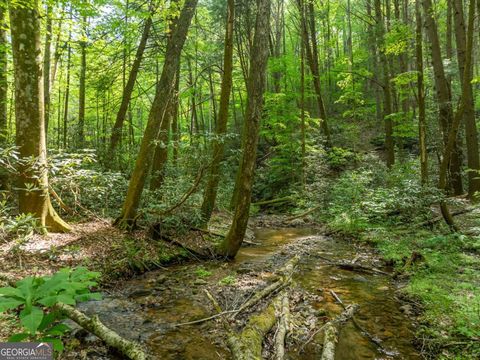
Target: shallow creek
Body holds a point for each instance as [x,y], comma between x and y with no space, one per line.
[146,308]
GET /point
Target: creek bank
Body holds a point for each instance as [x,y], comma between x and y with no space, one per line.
[147,307]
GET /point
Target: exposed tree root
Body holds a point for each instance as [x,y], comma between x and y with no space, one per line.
[129,349]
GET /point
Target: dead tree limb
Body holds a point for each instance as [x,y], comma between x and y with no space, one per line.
[285,277]
[299,216]
[352,266]
[247,345]
[283,327]
[128,348]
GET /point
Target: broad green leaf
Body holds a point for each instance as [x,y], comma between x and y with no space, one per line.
[11,291]
[57,343]
[57,330]
[18,337]
[31,319]
[9,303]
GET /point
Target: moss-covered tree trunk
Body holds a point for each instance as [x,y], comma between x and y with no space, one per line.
[82,84]
[163,94]
[253,116]
[210,193]
[30,123]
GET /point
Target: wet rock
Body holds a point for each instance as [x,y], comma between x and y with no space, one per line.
[139,293]
[360,278]
[200,282]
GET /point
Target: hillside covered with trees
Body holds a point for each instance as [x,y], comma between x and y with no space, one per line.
[241,179]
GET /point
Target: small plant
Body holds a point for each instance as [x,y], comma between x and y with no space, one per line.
[227,280]
[34,300]
[201,272]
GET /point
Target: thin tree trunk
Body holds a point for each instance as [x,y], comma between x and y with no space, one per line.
[81,93]
[471,134]
[387,95]
[30,121]
[443,96]
[422,127]
[210,193]
[67,90]
[164,90]
[127,91]
[46,66]
[255,90]
[3,89]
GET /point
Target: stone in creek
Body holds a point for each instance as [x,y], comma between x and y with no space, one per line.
[359,278]
[140,293]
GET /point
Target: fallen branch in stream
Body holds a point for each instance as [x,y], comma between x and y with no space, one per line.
[247,345]
[285,278]
[352,266]
[299,216]
[283,328]
[364,332]
[331,331]
[129,349]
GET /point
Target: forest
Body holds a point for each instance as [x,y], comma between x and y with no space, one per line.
[240,179]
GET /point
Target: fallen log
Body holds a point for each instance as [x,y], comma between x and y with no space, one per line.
[128,348]
[285,277]
[247,345]
[272,201]
[283,328]
[440,218]
[331,332]
[352,266]
[308,212]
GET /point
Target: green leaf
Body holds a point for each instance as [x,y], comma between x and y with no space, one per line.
[66,299]
[57,330]
[9,303]
[11,291]
[18,337]
[48,301]
[48,319]
[57,343]
[31,319]
[89,296]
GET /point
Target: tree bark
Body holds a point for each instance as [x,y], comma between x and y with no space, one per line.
[81,92]
[163,94]
[46,66]
[210,193]
[253,115]
[3,89]
[471,133]
[387,94]
[443,96]
[128,90]
[30,122]
[422,126]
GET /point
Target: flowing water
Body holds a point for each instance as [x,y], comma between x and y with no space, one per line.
[146,308]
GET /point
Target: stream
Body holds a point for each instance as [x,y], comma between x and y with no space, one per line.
[146,308]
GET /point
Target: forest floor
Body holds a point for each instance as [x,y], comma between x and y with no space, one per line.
[436,281]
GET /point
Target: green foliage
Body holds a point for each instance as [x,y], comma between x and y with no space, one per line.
[201,272]
[227,280]
[34,299]
[398,39]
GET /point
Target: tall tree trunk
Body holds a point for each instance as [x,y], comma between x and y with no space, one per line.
[453,131]
[387,94]
[127,91]
[422,126]
[310,43]
[3,89]
[471,134]
[30,122]
[46,66]
[443,96]
[163,94]
[210,193]
[67,89]
[255,90]
[81,93]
